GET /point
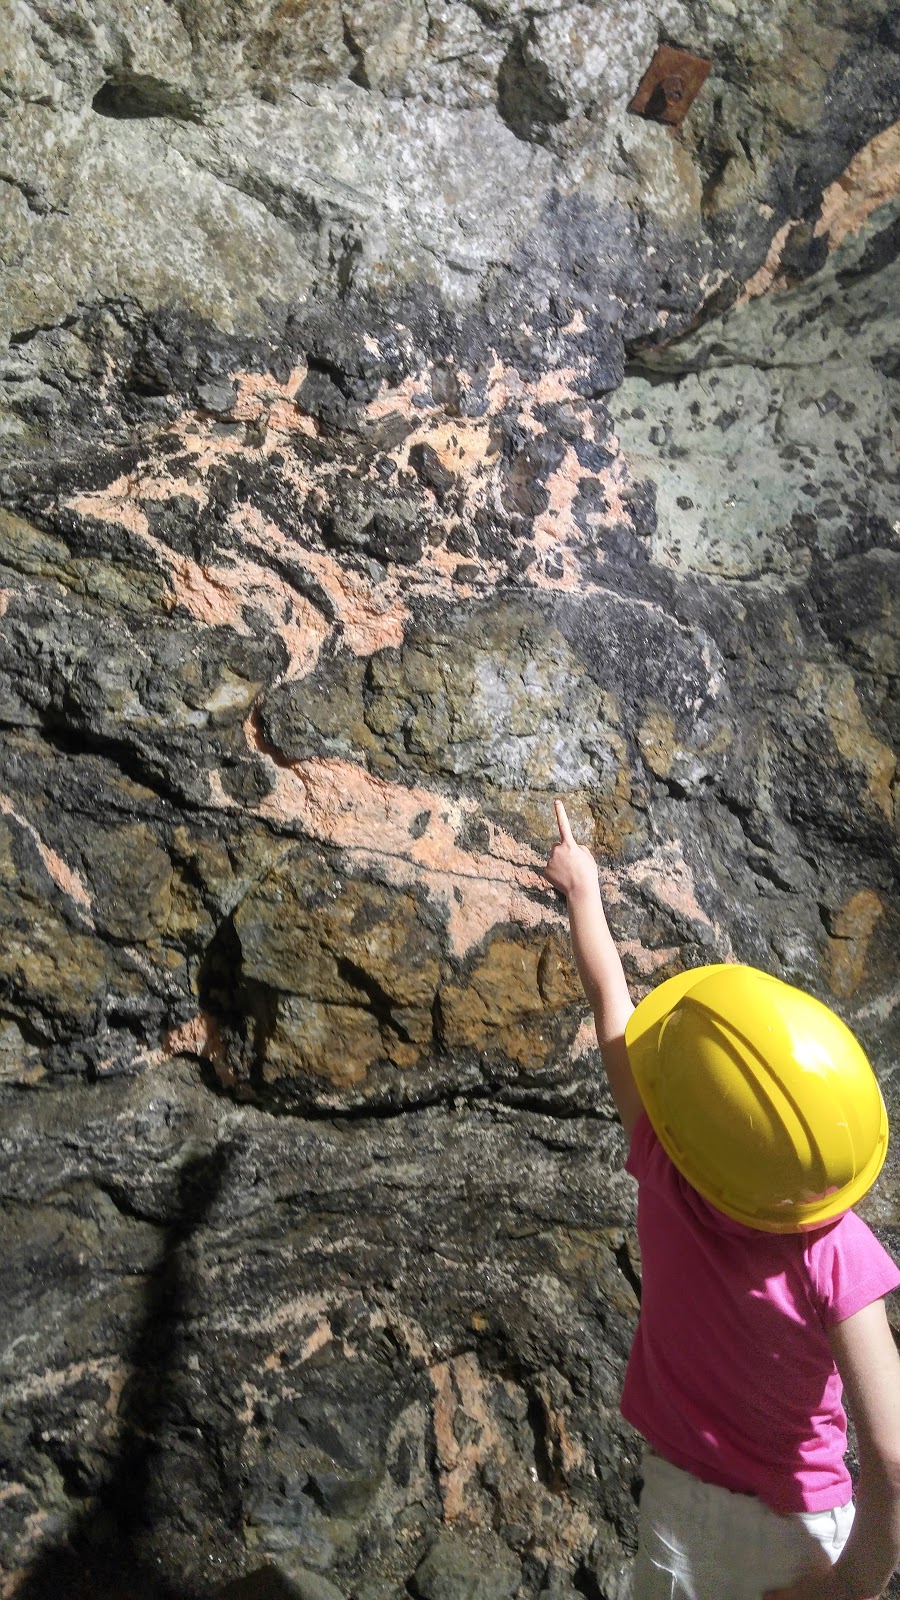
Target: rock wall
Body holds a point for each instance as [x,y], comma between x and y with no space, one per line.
[397,433]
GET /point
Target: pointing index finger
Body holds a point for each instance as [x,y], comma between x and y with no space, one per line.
[565,830]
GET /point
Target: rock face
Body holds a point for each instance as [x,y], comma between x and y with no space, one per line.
[396,434]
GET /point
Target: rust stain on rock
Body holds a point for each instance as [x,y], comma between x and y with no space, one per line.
[656,737]
[499,1006]
[670,86]
[858,745]
[852,928]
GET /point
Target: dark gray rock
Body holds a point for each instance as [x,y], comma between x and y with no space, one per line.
[452,1570]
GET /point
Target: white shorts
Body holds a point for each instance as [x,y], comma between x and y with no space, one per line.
[699,1542]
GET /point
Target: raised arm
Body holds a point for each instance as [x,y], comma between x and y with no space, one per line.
[573,870]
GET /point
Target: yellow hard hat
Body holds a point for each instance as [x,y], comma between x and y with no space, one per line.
[760,1095]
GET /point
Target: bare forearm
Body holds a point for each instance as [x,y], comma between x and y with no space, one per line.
[873,1549]
[598,962]
[573,870]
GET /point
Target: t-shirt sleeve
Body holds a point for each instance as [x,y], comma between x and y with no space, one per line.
[850,1269]
[642,1141]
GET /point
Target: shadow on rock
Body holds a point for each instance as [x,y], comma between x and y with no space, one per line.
[101,1556]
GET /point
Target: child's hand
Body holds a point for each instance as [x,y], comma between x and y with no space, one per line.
[571,867]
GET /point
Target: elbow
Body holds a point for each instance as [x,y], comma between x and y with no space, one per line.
[880,1470]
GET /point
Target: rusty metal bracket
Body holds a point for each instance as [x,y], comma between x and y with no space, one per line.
[670,86]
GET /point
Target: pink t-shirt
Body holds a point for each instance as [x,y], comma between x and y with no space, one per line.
[731,1375]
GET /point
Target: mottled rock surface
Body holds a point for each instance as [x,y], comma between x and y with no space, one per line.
[395,434]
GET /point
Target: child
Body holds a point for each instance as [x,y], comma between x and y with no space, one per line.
[763,1293]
